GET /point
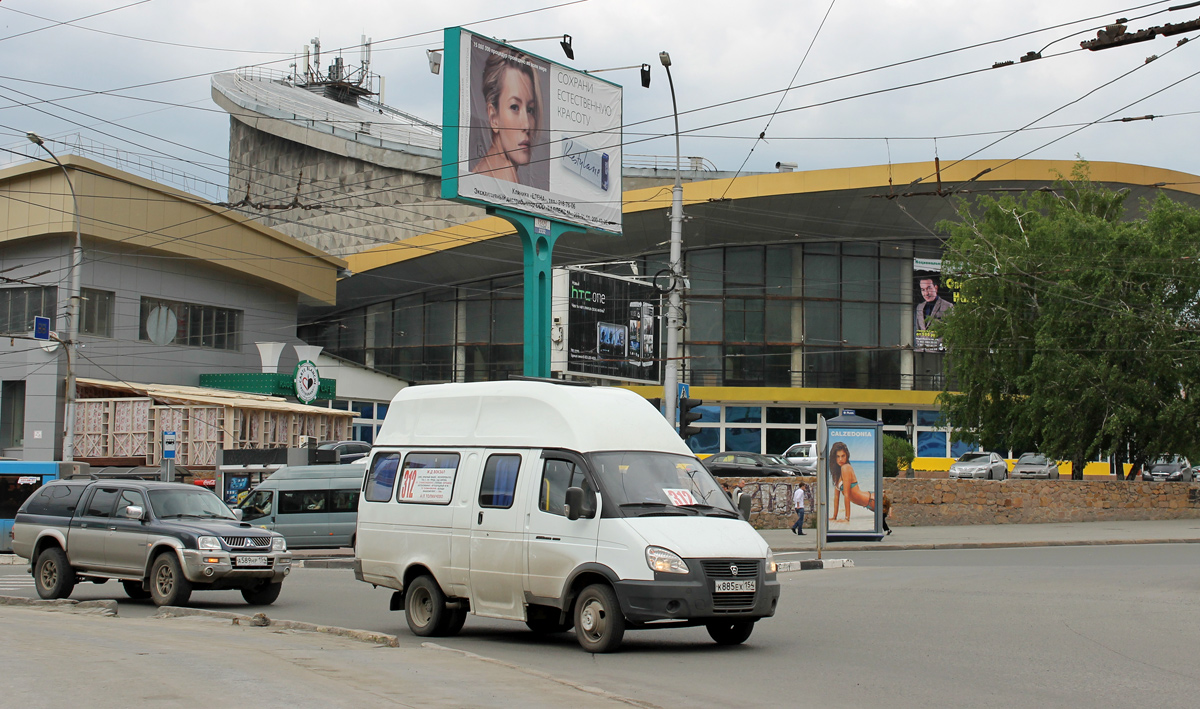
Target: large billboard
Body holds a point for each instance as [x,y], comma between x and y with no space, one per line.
[853,478]
[530,135]
[934,296]
[612,327]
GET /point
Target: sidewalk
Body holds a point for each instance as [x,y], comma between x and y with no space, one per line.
[116,663]
[1003,535]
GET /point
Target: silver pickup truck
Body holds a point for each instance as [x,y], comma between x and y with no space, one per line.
[160,540]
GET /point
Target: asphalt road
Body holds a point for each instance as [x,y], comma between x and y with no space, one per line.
[1046,627]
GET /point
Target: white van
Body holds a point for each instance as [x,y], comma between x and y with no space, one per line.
[556,505]
[312,506]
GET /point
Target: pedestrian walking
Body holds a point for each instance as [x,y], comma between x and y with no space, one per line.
[887,507]
[798,503]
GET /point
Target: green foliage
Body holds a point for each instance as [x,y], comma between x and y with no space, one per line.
[1076,331]
[898,454]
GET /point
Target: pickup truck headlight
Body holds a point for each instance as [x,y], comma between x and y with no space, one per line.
[278,544]
[666,561]
[208,543]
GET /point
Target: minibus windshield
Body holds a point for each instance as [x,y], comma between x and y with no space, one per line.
[659,484]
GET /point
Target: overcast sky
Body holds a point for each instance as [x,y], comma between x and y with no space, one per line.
[723,53]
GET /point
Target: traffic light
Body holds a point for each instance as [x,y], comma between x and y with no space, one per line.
[687,416]
[657,404]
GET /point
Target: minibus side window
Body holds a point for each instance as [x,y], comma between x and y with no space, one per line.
[428,478]
[557,476]
[382,478]
[343,500]
[301,501]
[499,481]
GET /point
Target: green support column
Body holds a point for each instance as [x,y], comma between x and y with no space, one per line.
[538,237]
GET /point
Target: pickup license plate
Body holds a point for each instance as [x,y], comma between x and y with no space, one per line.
[251,561]
[734,587]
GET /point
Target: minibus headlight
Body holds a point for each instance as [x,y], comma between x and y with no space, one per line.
[666,561]
[278,544]
[772,567]
[209,543]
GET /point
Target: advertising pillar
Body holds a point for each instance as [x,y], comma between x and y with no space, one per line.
[853,474]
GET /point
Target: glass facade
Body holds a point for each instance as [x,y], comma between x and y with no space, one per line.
[820,314]
[771,429]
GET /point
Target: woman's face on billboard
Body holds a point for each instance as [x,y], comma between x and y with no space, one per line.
[514,118]
[842,456]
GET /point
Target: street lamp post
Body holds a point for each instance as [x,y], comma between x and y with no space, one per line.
[671,371]
[72,344]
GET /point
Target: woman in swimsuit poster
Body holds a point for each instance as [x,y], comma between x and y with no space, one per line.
[845,482]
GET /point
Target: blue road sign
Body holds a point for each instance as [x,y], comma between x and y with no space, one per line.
[41,328]
[168,451]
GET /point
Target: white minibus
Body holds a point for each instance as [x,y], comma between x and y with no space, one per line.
[557,505]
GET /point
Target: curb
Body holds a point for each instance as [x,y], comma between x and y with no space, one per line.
[810,564]
[992,545]
[108,607]
[324,564]
[10,560]
[262,621]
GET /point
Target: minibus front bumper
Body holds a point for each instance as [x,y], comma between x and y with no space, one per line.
[712,590]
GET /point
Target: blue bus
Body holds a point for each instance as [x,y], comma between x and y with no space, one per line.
[18,480]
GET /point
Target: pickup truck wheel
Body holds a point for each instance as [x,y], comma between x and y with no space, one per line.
[264,594]
[425,607]
[54,576]
[455,618]
[168,585]
[134,590]
[731,632]
[599,624]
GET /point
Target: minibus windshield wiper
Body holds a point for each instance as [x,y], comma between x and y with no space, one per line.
[658,508]
[713,509]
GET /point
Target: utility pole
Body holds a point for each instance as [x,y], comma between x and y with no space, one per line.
[671,371]
[72,344]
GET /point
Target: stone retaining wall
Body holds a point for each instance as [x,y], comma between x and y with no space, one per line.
[918,502]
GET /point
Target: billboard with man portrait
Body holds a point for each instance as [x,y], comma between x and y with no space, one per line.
[530,135]
[933,296]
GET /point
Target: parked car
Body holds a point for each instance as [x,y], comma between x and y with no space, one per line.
[740,464]
[803,456]
[1035,466]
[1173,468]
[348,451]
[160,540]
[979,465]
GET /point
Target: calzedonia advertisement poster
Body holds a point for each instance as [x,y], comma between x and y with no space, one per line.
[533,136]
[613,327]
[851,479]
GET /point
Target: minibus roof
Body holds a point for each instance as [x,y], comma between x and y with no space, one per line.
[523,414]
[308,472]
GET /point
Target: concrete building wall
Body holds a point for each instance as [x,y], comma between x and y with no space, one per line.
[268,314]
[348,204]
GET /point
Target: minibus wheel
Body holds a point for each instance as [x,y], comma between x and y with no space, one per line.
[425,607]
[731,632]
[599,625]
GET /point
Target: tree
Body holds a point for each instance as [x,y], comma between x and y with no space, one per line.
[897,454]
[1076,332]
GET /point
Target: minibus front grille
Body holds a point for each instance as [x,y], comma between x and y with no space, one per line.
[247,542]
[730,568]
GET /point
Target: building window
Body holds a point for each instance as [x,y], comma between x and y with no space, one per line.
[96,312]
[12,414]
[19,306]
[169,322]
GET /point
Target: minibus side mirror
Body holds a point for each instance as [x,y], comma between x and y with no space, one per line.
[574,502]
